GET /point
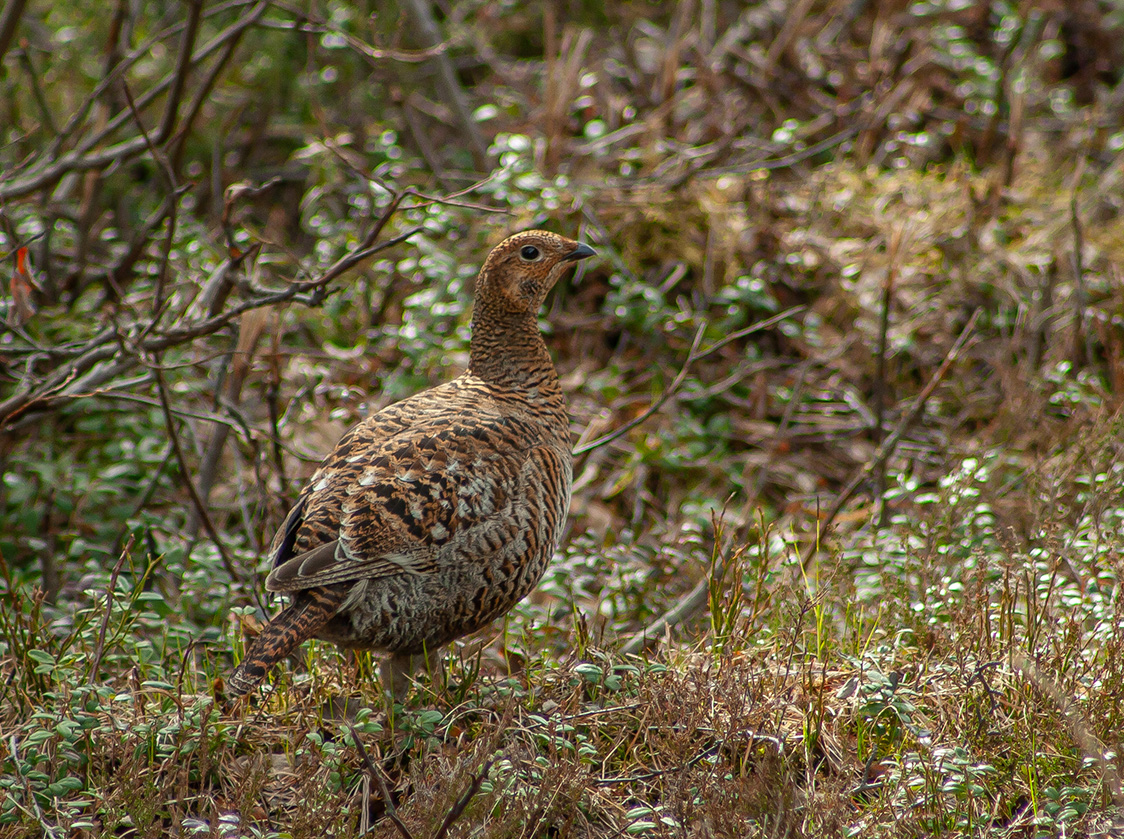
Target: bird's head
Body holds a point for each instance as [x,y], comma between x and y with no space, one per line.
[521,269]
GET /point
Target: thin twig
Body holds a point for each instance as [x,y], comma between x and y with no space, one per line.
[1083,735]
[145,497]
[120,273]
[203,94]
[462,802]
[47,555]
[170,201]
[109,78]
[796,13]
[1083,349]
[655,406]
[249,333]
[310,24]
[273,396]
[695,354]
[200,507]
[82,158]
[765,164]
[99,649]
[696,598]
[292,292]
[888,447]
[879,388]
[656,773]
[50,831]
[883,350]
[183,67]
[102,347]
[737,335]
[9,23]
[688,605]
[37,94]
[429,32]
[148,400]
[374,771]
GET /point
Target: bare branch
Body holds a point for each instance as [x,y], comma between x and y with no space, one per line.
[185,473]
[447,84]
[694,355]
[183,67]
[462,802]
[230,44]
[9,22]
[374,771]
[105,346]
[687,606]
[83,159]
[170,202]
[891,443]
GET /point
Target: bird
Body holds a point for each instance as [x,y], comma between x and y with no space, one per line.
[437,514]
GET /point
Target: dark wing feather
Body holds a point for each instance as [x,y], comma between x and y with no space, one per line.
[305,565]
[392,494]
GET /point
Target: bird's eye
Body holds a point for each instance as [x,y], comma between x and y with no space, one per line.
[529,253]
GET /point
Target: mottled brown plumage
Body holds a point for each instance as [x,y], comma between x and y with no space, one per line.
[439,513]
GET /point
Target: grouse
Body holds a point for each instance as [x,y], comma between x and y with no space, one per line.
[439,513]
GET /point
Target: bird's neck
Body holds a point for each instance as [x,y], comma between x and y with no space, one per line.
[508,351]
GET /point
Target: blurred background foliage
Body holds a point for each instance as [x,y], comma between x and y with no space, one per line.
[230,230]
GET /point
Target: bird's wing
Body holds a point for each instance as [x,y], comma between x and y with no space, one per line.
[392,495]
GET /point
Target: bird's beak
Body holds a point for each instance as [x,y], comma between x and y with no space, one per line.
[580,252]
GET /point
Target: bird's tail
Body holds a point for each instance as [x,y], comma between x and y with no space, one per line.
[312,609]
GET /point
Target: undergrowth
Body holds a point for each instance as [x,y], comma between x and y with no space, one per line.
[932,693]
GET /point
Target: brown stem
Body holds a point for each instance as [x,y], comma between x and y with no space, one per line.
[200,507]
[99,649]
[9,23]
[183,67]
[891,443]
[692,356]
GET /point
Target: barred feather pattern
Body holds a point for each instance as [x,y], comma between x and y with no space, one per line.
[437,514]
[283,634]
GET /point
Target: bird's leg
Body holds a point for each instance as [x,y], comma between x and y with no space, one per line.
[395,674]
[433,662]
[397,671]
